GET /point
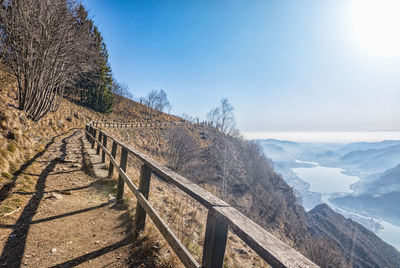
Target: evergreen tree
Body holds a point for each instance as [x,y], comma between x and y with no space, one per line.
[97,85]
[100,97]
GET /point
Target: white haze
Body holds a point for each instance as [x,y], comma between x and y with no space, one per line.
[326,137]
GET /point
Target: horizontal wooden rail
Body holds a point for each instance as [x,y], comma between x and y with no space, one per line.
[139,124]
[220,214]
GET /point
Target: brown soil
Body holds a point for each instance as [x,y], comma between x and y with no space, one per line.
[67,219]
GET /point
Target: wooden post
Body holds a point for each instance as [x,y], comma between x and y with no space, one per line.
[98,145]
[94,137]
[122,165]
[214,242]
[144,186]
[103,154]
[87,130]
[113,153]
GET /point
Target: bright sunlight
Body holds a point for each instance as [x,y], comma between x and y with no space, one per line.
[375,25]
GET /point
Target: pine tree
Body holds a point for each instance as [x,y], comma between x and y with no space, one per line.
[97,84]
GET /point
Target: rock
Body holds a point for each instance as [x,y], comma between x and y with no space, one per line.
[240,251]
[97,242]
[111,199]
[55,196]
[53,250]
[3,124]
[160,189]
[65,192]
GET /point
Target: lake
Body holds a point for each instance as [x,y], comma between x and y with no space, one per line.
[328,180]
[325,180]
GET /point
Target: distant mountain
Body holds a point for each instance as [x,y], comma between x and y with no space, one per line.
[380,205]
[363,248]
[289,146]
[282,142]
[276,153]
[356,146]
[371,160]
[380,183]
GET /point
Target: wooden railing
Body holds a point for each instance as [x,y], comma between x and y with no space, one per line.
[221,216]
[139,124]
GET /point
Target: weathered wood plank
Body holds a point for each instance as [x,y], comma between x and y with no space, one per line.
[98,145]
[113,154]
[103,153]
[270,248]
[122,165]
[144,187]
[93,137]
[214,242]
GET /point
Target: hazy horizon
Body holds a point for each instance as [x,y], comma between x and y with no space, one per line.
[325,136]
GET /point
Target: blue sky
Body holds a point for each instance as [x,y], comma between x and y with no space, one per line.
[284,65]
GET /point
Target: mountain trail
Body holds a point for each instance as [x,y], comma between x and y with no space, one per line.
[69,219]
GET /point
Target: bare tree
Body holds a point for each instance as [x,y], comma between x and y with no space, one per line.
[222,118]
[46,47]
[256,167]
[182,148]
[189,118]
[121,89]
[323,252]
[157,99]
[223,155]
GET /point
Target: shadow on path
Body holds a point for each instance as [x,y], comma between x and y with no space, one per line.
[71,213]
[14,247]
[6,189]
[95,254]
[60,191]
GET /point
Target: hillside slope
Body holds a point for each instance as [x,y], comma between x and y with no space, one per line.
[362,247]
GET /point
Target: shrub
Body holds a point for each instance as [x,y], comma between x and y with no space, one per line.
[11,147]
[6,175]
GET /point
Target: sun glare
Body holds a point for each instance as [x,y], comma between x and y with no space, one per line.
[375,26]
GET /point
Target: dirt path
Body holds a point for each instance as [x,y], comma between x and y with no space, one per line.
[68,219]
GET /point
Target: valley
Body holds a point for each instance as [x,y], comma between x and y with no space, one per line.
[360,180]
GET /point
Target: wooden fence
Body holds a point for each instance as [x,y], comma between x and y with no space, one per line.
[221,215]
[140,124]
